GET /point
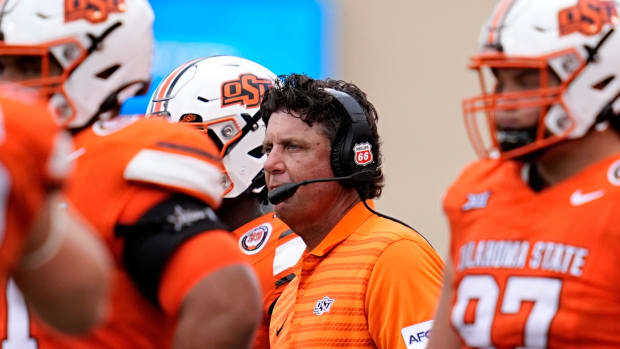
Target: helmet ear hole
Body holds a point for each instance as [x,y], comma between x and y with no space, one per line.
[603,83]
[107,72]
[256,152]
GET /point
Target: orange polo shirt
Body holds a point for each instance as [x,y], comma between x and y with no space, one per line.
[371,283]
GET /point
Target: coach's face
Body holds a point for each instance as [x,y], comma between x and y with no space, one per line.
[297,152]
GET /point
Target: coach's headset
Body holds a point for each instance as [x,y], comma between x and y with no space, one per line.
[354,160]
[352,153]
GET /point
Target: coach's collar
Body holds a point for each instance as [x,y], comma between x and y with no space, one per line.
[345,227]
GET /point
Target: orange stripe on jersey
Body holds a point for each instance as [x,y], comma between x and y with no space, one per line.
[499,16]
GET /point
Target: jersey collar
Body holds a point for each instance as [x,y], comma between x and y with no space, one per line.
[345,227]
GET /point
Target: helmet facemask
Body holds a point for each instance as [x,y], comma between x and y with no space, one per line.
[85,59]
[572,47]
[512,138]
[44,68]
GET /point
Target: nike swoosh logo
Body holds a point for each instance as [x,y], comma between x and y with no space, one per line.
[579,198]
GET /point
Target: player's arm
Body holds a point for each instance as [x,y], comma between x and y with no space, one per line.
[64,271]
[402,295]
[183,260]
[443,335]
[221,310]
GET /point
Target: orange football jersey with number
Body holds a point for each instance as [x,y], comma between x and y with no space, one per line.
[32,154]
[273,250]
[535,269]
[116,162]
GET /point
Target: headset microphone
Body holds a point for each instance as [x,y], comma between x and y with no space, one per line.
[287,190]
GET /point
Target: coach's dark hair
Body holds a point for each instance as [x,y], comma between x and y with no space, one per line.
[306,97]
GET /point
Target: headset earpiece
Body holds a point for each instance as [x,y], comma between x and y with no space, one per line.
[352,149]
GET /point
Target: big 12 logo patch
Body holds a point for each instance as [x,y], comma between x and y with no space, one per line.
[248,90]
[94,11]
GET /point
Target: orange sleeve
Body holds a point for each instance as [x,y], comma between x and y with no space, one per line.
[261,337]
[195,259]
[402,295]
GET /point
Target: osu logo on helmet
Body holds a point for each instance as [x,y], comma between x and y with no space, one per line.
[248,90]
[92,10]
[587,17]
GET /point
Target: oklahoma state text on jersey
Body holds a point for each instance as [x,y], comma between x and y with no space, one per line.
[536,270]
[123,168]
[273,250]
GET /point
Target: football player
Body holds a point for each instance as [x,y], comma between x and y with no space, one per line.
[52,238]
[535,223]
[221,95]
[147,186]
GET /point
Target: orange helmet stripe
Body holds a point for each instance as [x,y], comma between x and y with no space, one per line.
[166,84]
[499,17]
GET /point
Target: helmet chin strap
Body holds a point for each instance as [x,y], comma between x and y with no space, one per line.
[512,138]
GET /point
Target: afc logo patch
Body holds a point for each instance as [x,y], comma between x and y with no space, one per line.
[323,305]
[248,90]
[363,154]
[416,336]
[94,11]
[255,239]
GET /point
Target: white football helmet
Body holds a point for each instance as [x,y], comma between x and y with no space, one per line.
[221,95]
[577,40]
[86,56]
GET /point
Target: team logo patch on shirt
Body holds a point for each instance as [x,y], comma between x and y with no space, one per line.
[363,154]
[416,336]
[254,240]
[476,201]
[323,305]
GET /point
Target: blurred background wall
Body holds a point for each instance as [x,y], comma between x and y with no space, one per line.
[408,55]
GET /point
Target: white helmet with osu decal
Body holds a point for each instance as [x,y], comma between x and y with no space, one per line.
[221,95]
[86,56]
[574,49]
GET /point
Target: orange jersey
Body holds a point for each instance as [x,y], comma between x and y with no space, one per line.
[535,269]
[32,161]
[122,168]
[371,283]
[273,250]
[30,165]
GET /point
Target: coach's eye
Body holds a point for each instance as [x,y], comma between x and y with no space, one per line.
[292,147]
[266,149]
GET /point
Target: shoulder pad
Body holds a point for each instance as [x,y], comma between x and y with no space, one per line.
[181,172]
